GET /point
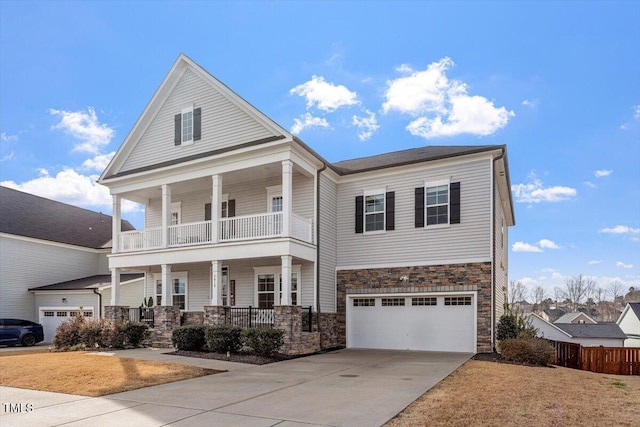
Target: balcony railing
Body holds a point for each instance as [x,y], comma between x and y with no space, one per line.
[239,228]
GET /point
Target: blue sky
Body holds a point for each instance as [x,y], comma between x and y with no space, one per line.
[558,82]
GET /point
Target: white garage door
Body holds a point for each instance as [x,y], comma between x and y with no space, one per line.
[51,317]
[416,322]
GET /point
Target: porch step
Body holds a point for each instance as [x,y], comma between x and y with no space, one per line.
[161,344]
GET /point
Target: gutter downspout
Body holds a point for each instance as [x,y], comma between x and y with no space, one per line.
[493,251]
[324,166]
[95,291]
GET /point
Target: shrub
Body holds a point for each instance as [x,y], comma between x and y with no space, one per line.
[223,338]
[535,351]
[68,333]
[262,341]
[95,333]
[135,333]
[507,327]
[189,338]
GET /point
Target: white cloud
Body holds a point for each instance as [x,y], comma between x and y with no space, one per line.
[535,192]
[531,103]
[626,231]
[590,184]
[9,156]
[308,121]
[70,187]
[548,244]
[621,264]
[86,127]
[367,125]
[8,138]
[602,172]
[442,106]
[325,96]
[594,262]
[98,162]
[524,247]
[636,112]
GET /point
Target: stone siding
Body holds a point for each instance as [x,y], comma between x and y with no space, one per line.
[214,315]
[192,318]
[329,326]
[166,319]
[433,278]
[116,313]
[288,318]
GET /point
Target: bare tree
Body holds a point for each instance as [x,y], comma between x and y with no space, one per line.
[558,294]
[537,296]
[517,293]
[576,289]
[615,290]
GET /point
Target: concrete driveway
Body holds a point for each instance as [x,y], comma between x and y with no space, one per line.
[341,388]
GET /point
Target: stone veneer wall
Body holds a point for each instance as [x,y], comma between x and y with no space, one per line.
[329,327]
[166,319]
[116,313]
[288,318]
[192,318]
[433,278]
[214,315]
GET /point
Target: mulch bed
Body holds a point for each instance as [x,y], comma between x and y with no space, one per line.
[497,357]
[240,357]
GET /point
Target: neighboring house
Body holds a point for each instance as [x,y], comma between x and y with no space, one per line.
[629,322]
[42,242]
[585,334]
[404,250]
[552,314]
[575,317]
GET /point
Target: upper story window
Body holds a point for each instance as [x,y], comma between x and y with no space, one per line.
[375,211]
[187,126]
[437,204]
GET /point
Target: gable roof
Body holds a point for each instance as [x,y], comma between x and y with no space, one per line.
[633,307]
[178,69]
[91,282]
[587,330]
[570,317]
[407,157]
[24,214]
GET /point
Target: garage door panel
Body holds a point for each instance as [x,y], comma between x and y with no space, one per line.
[426,327]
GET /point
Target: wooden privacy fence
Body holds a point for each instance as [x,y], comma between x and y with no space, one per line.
[605,360]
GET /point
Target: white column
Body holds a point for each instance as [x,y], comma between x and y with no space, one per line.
[216,283]
[287,194]
[167,299]
[216,207]
[166,214]
[115,286]
[116,224]
[286,280]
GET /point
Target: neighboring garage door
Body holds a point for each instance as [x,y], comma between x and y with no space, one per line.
[51,317]
[412,322]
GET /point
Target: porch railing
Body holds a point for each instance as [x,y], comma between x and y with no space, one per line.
[307,319]
[142,314]
[249,227]
[138,240]
[249,317]
[302,228]
[192,233]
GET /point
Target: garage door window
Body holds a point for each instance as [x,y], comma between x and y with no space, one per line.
[364,302]
[457,301]
[61,314]
[392,302]
[48,314]
[424,301]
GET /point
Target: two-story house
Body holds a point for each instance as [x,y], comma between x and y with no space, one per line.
[405,250]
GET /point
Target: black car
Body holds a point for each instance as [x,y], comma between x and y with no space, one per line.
[17,331]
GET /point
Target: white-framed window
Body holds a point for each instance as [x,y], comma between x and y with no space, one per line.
[274,204]
[176,213]
[374,209]
[393,302]
[437,202]
[364,302]
[225,286]
[424,301]
[187,126]
[266,279]
[179,285]
[457,301]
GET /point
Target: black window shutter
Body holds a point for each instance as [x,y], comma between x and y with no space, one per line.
[231,208]
[359,213]
[419,207]
[197,124]
[177,133]
[207,212]
[454,209]
[390,210]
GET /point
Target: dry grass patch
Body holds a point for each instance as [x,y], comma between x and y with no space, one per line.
[89,374]
[489,393]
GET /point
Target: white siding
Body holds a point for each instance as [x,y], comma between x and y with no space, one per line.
[407,245]
[27,264]
[54,299]
[223,125]
[327,245]
[630,324]
[500,263]
[131,294]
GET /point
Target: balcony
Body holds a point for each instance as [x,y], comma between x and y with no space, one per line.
[239,228]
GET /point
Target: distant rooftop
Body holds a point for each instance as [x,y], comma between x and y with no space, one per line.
[587,330]
[24,214]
